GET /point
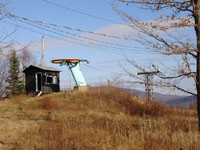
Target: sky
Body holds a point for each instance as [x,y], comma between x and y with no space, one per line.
[107,55]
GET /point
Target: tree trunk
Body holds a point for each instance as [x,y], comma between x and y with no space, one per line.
[198,89]
[196,15]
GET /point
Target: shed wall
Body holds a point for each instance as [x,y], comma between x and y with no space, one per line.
[30,85]
[30,81]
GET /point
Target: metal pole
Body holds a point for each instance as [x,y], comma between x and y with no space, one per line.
[69,79]
[148,84]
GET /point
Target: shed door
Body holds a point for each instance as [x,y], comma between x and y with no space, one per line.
[38,77]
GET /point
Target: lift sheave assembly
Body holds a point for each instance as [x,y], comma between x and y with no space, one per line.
[74,66]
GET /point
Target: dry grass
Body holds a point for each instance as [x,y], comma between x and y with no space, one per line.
[99,119]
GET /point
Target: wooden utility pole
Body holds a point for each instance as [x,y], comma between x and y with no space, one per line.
[42,61]
[109,84]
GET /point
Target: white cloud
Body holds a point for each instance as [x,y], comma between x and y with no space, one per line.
[116,30]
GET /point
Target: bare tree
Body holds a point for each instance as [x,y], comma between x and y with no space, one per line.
[4,34]
[4,49]
[26,57]
[170,34]
[3,76]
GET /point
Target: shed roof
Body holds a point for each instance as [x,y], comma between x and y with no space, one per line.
[46,68]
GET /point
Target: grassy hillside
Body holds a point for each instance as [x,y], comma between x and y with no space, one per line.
[99,119]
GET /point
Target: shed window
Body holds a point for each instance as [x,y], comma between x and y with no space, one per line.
[52,80]
[49,79]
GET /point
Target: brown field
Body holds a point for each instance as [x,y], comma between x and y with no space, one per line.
[99,119]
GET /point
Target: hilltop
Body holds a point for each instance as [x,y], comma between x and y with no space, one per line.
[99,119]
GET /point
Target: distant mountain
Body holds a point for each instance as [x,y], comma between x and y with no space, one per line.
[170,100]
[185,102]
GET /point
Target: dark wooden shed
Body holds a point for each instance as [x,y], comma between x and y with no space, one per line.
[41,79]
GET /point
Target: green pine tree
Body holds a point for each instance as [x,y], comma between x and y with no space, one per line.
[15,82]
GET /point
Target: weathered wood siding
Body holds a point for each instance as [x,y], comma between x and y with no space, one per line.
[30,80]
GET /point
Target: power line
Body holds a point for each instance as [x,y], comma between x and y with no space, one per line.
[42,33]
[113,48]
[46,25]
[105,46]
[79,12]
[68,28]
[131,48]
[99,41]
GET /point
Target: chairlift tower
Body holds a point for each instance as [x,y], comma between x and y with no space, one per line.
[148,81]
[74,67]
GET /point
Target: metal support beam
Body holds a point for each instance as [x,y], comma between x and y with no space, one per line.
[148,81]
[74,66]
